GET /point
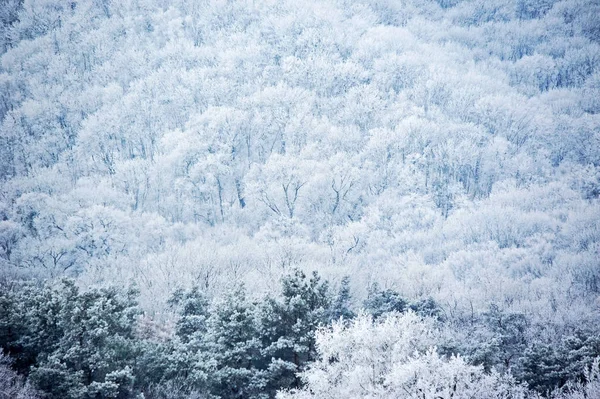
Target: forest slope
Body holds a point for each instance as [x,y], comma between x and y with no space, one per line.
[446,150]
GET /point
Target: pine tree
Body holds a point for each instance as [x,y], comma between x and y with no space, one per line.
[541,368]
[380,302]
[185,359]
[94,355]
[12,327]
[232,350]
[287,328]
[193,312]
[76,345]
[341,305]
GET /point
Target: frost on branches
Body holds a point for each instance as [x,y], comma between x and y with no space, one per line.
[393,358]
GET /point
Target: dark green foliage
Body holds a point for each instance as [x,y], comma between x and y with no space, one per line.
[74,344]
[193,313]
[542,368]
[500,339]
[580,350]
[427,307]
[82,345]
[239,349]
[287,326]
[341,305]
[171,389]
[12,327]
[232,350]
[152,363]
[380,302]
[547,367]
[184,360]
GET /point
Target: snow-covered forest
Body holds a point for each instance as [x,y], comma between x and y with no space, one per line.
[299,198]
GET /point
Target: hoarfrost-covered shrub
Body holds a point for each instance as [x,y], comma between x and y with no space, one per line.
[393,357]
[12,385]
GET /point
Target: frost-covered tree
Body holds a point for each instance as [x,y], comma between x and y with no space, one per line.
[341,304]
[446,150]
[393,358]
[12,385]
[232,349]
[287,326]
[74,344]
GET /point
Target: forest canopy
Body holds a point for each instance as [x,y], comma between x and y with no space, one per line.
[193,193]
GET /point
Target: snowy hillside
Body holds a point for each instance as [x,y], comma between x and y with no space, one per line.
[444,155]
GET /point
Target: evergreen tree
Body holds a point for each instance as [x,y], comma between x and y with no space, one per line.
[12,327]
[93,356]
[78,345]
[193,312]
[501,339]
[427,308]
[231,353]
[341,305]
[380,302]
[287,328]
[542,369]
[548,367]
[185,360]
